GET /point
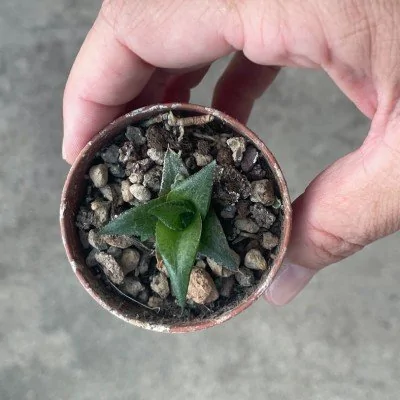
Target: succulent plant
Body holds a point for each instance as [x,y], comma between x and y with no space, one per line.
[182,222]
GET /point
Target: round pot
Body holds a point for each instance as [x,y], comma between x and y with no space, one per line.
[74,191]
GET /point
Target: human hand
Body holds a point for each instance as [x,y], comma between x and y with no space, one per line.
[143,52]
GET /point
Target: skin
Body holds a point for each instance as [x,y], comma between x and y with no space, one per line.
[142,52]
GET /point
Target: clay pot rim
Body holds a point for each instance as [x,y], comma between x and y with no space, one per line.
[70,234]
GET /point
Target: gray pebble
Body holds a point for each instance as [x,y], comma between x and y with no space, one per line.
[156,155]
[101,211]
[247,225]
[218,269]
[262,192]
[99,175]
[85,219]
[250,157]
[83,236]
[227,285]
[129,260]
[244,277]
[127,152]
[238,147]
[126,194]
[136,177]
[96,240]
[159,284]
[117,170]
[201,159]
[228,212]
[269,241]
[111,154]
[91,258]
[140,192]
[257,173]
[115,252]
[132,287]
[262,215]
[255,260]
[143,296]
[152,178]
[155,302]
[107,192]
[120,241]
[135,135]
[110,267]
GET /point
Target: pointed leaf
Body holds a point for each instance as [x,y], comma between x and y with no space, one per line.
[135,221]
[173,166]
[178,250]
[197,188]
[176,215]
[213,243]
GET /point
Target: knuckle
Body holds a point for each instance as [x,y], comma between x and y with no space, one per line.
[329,247]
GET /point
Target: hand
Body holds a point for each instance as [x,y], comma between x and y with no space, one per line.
[141,52]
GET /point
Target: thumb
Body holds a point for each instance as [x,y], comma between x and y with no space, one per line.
[351,204]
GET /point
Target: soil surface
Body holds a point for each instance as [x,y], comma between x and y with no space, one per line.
[245,198]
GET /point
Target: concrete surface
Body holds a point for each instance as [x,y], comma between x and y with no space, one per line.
[338,340]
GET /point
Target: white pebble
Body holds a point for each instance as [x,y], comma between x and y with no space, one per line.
[99,175]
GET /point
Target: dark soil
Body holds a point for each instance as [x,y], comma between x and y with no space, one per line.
[243,181]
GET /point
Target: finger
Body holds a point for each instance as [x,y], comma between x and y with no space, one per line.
[179,87]
[105,76]
[352,203]
[241,85]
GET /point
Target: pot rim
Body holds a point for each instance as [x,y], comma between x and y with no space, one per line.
[70,234]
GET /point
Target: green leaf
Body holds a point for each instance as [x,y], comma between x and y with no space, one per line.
[197,188]
[213,243]
[136,221]
[173,166]
[178,250]
[176,215]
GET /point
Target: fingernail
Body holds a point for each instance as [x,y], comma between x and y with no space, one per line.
[288,283]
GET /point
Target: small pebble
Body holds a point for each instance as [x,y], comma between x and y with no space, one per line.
[117,170]
[96,240]
[143,296]
[101,211]
[200,264]
[255,260]
[228,212]
[129,260]
[126,194]
[152,178]
[201,288]
[115,252]
[83,236]
[238,147]
[245,277]
[156,138]
[250,157]
[262,215]
[262,192]
[111,154]
[110,267]
[85,219]
[257,173]
[156,155]
[227,285]
[144,264]
[202,159]
[190,163]
[155,302]
[132,287]
[218,270]
[120,241]
[269,241]
[91,258]
[247,225]
[135,135]
[99,175]
[243,209]
[224,156]
[159,284]
[127,152]
[140,192]
[136,177]
[107,192]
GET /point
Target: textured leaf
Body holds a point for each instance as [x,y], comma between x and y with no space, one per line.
[173,166]
[197,188]
[213,243]
[178,250]
[176,215]
[136,221]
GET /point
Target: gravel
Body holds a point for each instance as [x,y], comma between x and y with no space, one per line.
[201,288]
[99,175]
[140,192]
[110,267]
[245,277]
[262,191]
[159,284]
[247,225]
[255,260]
[130,259]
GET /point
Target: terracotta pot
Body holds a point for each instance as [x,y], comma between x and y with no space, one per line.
[73,193]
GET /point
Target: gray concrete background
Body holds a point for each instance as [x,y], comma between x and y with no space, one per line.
[338,340]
